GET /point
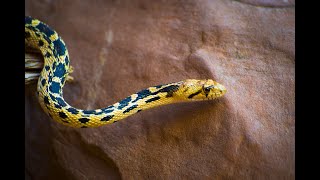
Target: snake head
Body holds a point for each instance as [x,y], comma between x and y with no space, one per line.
[193,89]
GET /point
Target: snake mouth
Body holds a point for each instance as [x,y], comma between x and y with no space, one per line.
[212,96]
[216,95]
[204,99]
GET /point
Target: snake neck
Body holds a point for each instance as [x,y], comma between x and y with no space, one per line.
[62,112]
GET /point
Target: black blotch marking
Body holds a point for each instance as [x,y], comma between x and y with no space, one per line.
[130,108]
[50,115]
[46,99]
[50,78]
[59,47]
[146,92]
[84,127]
[194,94]
[124,102]
[108,109]
[73,110]
[60,70]
[66,60]
[142,94]
[48,54]
[57,106]
[61,102]
[54,66]
[97,113]
[107,118]
[45,29]
[152,99]
[169,89]
[40,43]
[159,86]
[84,120]
[63,80]
[89,111]
[52,97]
[47,68]
[48,40]
[27,35]
[43,82]
[62,115]
[32,28]
[55,87]
[139,110]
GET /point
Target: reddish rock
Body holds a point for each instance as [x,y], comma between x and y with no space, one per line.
[270,3]
[120,47]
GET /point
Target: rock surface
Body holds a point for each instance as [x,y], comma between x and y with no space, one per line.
[120,47]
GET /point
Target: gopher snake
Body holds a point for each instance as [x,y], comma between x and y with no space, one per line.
[56,68]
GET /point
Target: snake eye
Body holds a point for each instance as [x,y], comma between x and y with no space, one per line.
[207,89]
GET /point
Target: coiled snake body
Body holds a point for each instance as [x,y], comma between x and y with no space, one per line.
[56,68]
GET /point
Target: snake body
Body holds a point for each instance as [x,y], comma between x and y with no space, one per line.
[56,68]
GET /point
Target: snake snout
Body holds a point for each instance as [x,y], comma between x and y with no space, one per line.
[222,89]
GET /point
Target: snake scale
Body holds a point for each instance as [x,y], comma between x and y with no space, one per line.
[39,35]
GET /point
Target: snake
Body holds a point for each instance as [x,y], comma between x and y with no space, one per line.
[56,68]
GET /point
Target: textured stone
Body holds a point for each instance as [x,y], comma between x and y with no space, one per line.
[270,3]
[120,47]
